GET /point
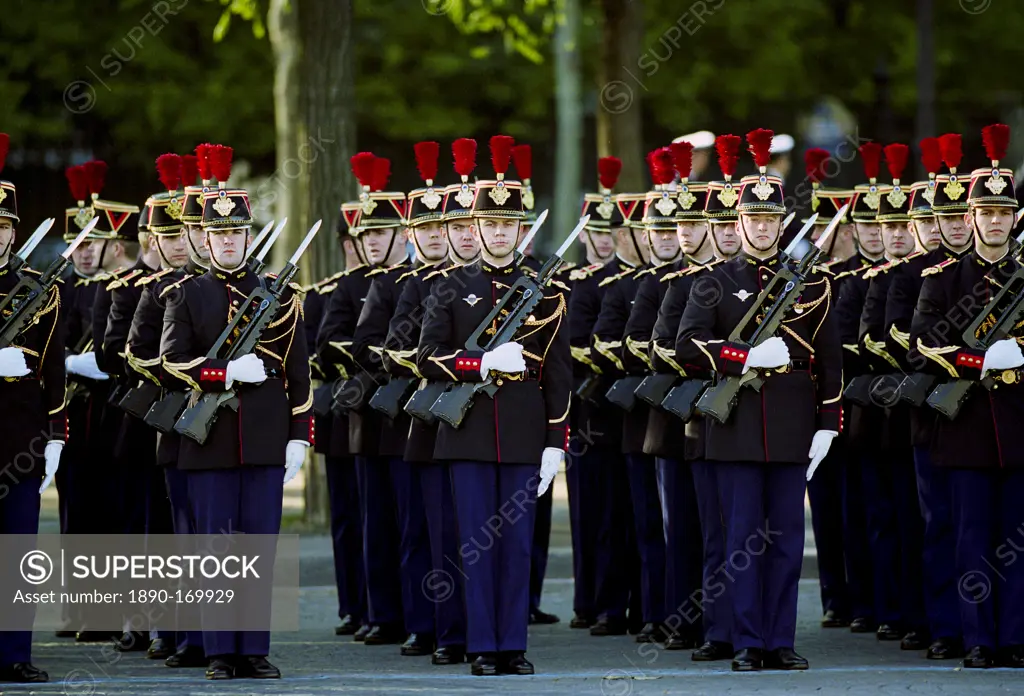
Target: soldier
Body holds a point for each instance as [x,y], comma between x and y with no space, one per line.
[600,585]
[236,479]
[933,488]
[379,238]
[400,359]
[35,422]
[976,445]
[496,454]
[795,416]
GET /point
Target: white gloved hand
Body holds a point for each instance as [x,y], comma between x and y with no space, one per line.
[12,362]
[84,365]
[294,457]
[772,353]
[247,368]
[820,444]
[51,455]
[1002,355]
[507,357]
[550,460]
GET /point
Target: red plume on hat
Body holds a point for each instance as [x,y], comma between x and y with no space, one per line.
[814,164]
[203,162]
[682,158]
[608,170]
[427,153]
[663,164]
[220,163]
[464,154]
[381,173]
[362,167]
[931,156]
[96,173]
[78,183]
[896,155]
[871,158]
[522,157]
[952,151]
[169,168]
[501,153]
[5,146]
[996,139]
[728,147]
[189,169]
[760,144]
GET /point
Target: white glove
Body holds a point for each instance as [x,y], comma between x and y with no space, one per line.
[51,455]
[294,456]
[12,362]
[84,365]
[549,463]
[507,357]
[772,353]
[1002,355]
[820,444]
[247,368]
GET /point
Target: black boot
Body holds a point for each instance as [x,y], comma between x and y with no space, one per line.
[748,660]
[253,667]
[485,665]
[833,620]
[979,657]
[542,617]
[348,626]
[220,668]
[132,641]
[160,649]
[192,656]
[712,651]
[23,673]
[418,644]
[449,655]
[784,658]
[609,627]
[514,663]
[945,649]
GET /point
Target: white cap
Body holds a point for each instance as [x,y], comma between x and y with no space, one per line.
[701,140]
[781,144]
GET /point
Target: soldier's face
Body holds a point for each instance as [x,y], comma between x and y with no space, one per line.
[869,236]
[173,248]
[197,238]
[761,231]
[726,237]
[954,230]
[896,239]
[376,243]
[227,247]
[498,235]
[603,243]
[691,235]
[6,238]
[430,240]
[462,239]
[993,224]
[86,257]
[664,244]
[926,230]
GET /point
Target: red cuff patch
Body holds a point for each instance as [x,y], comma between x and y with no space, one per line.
[312,431]
[467,364]
[212,375]
[731,353]
[970,360]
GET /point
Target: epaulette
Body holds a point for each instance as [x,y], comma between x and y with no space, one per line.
[152,276]
[123,281]
[441,272]
[176,284]
[937,268]
[850,272]
[414,272]
[101,277]
[618,276]
[647,271]
[585,272]
[560,284]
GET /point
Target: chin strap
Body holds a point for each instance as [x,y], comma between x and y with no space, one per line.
[103,252]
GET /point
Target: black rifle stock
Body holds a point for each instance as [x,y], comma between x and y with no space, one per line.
[163,414]
[139,399]
[389,397]
[916,388]
[681,401]
[422,399]
[587,388]
[858,391]
[654,388]
[623,392]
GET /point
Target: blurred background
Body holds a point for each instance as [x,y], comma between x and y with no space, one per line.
[297,86]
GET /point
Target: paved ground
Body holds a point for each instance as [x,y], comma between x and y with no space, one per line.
[315,662]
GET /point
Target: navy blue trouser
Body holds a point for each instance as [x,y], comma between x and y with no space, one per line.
[380,541]
[413,545]
[859,576]
[584,510]
[347,537]
[614,567]
[649,527]
[716,601]
[763,509]
[444,584]
[680,528]
[495,505]
[241,499]
[182,524]
[989,521]
[541,542]
[939,547]
[19,514]
[825,493]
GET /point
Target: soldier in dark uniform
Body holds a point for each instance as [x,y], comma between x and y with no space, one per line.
[236,479]
[379,238]
[894,518]
[332,442]
[977,446]
[508,442]
[794,417]
[933,488]
[35,425]
[400,350]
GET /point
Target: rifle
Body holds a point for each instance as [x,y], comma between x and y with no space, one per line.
[240,337]
[27,297]
[140,399]
[587,389]
[257,264]
[682,400]
[916,386]
[655,387]
[1008,308]
[622,393]
[388,398]
[719,400]
[524,295]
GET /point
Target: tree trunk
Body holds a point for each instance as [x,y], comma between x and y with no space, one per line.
[619,122]
[285,194]
[569,155]
[925,71]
